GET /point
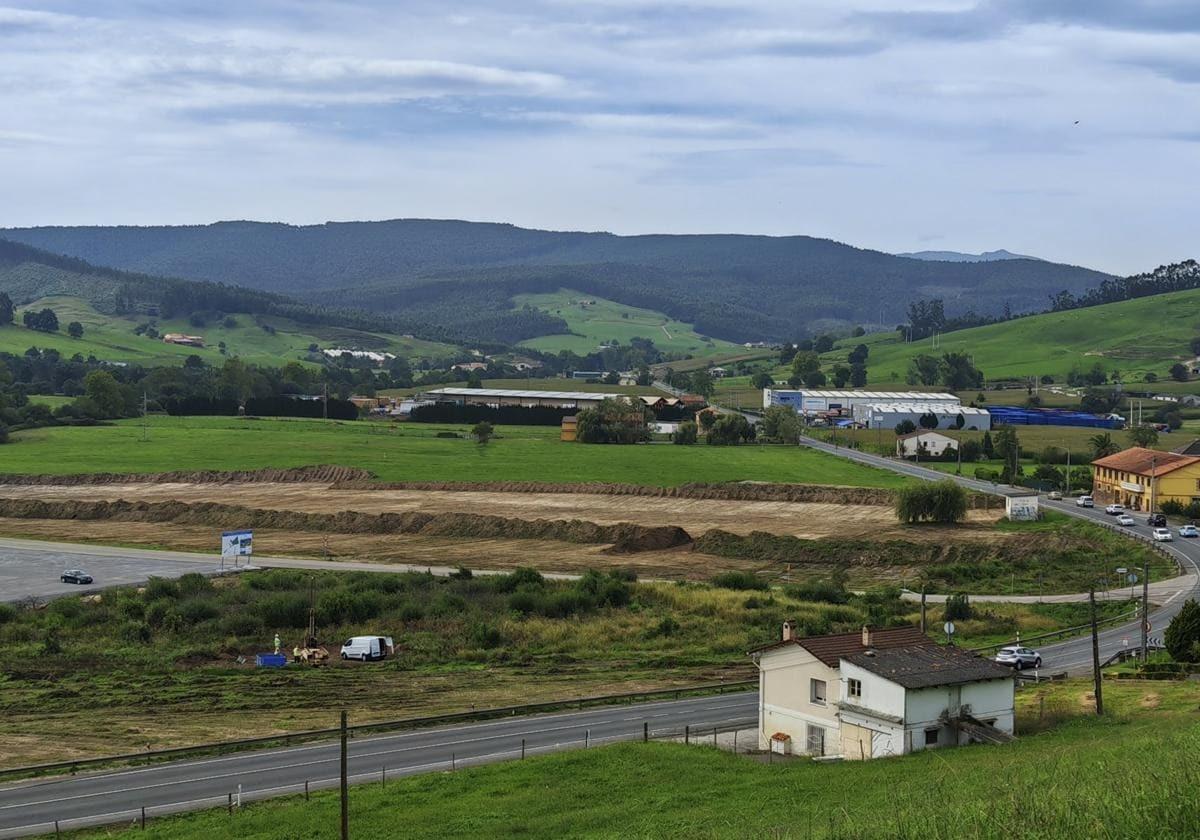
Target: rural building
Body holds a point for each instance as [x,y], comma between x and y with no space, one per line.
[369,355]
[876,693]
[1192,448]
[926,444]
[497,397]
[658,403]
[185,340]
[588,374]
[814,401]
[469,366]
[718,372]
[570,429]
[1142,479]
[890,415]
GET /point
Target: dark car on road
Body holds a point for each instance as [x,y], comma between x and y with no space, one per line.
[76,576]
[1156,520]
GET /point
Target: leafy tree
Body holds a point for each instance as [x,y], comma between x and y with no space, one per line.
[924,370]
[102,389]
[1048,473]
[958,608]
[815,379]
[1182,637]
[805,362]
[905,427]
[971,450]
[989,449]
[858,355]
[1098,401]
[1008,450]
[44,321]
[482,432]
[781,423]
[6,310]
[858,376]
[1194,344]
[841,375]
[1047,379]
[729,430]
[1145,435]
[858,331]
[928,420]
[613,421]
[1150,377]
[3,433]
[959,420]
[474,380]
[957,372]
[1179,372]
[762,379]
[685,435]
[925,317]
[611,378]
[701,383]
[75,329]
[943,501]
[1102,445]
[823,343]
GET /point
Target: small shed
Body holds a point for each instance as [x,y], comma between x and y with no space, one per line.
[569,428]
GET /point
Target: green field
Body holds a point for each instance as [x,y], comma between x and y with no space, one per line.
[410,453]
[1134,337]
[1131,774]
[603,320]
[112,338]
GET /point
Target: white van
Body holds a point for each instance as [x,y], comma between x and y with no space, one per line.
[367,648]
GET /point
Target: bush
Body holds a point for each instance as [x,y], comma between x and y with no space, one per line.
[7,613]
[1182,638]
[194,583]
[942,502]
[51,642]
[685,435]
[135,632]
[287,609]
[521,578]
[822,591]
[198,610]
[242,624]
[905,427]
[958,608]
[667,626]
[740,581]
[485,636]
[158,587]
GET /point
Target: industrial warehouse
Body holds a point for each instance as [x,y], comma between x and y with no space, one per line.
[498,397]
[819,401]
[882,409]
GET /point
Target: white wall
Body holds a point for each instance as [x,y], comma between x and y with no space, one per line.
[784,704]
[992,699]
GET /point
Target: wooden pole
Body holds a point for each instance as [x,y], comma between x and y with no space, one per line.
[1096,654]
[922,608]
[345,784]
[1145,611]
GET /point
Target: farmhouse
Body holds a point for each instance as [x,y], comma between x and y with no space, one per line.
[877,693]
[1142,479]
[185,340]
[949,415]
[813,401]
[496,397]
[925,444]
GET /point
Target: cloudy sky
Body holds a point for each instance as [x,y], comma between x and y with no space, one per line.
[894,124]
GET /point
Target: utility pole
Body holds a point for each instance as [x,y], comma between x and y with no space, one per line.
[1096,654]
[325,401]
[1153,468]
[344,785]
[145,419]
[922,608]
[1145,611]
[1068,491]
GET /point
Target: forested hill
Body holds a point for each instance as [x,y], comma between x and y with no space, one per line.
[729,286]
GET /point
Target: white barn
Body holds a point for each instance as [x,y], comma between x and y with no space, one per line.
[813,401]
[890,415]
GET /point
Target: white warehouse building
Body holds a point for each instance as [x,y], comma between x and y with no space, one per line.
[813,401]
[891,414]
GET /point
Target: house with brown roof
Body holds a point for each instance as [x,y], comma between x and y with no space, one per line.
[1142,479]
[876,693]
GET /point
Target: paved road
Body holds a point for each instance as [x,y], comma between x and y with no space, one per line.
[118,796]
[1075,656]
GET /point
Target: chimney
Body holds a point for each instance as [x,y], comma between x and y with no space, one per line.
[789,631]
[868,638]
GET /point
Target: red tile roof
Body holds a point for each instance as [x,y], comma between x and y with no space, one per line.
[1141,461]
[829,649]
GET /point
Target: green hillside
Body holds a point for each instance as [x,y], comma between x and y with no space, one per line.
[593,320]
[112,337]
[1134,337]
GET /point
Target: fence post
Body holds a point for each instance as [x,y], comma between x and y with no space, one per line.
[143,818]
[451,761]
[522,748]
[306,790]
[714,736]
[229,806]
[587,736]
[645,731]
[687,733]
[383,776]
[56,828]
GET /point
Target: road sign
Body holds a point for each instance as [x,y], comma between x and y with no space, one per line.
[949,628]
[1132,578]
[237,543]
[1122,570]
[1149,626]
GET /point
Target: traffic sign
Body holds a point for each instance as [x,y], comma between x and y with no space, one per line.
[1132,578]
[1149,626]
[1122,570]
[949,628]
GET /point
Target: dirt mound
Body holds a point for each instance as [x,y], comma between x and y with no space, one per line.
[626,537]
[321,473]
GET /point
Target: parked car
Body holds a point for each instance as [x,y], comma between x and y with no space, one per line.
[1125,519]
[1085,501]
[75,576]
[1019,657]
[367,648]
[1189,531]
[1162,535]
[1054,495]
[1114,510]
[1156,520]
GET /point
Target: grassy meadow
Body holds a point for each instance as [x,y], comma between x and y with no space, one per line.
[602,320]
[112,338]
[412,453]
[1131,774]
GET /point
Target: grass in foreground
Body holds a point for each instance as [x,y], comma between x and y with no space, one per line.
[410,453]
[1130,775]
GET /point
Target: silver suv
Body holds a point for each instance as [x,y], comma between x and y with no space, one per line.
[1019,657]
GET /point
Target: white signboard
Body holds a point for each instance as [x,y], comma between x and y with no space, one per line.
[237,543]
[1021,508]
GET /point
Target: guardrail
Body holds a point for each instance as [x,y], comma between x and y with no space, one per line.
[289,738]
[1066,632]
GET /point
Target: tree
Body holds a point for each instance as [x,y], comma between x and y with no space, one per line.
[814,379]
[781,423]
[1179,372]
[474,380]
[613,421]
[1151,377]
[905,427]
[1182,637]
[957,372]
[859,354]
[685,435]
[75,329]
[701,383]
[1008,450]
[959,420]
[928,420]
[1098,401]
[971,451]
[858,376]
[729,430]
[858,331]
[805,362]
[482,432]
[6,310]
[611,378]
[44,321]
[988,447]
[1102,445]
[823,343]
[762,379]
[924,370]
[1194,345]
[942,501]
[707,419]
[841,375]
[1144,436]
[101,388]
[958,608]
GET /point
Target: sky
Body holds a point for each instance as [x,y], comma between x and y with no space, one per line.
[1067,129]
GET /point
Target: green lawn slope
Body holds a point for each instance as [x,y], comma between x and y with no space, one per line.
[1135,337]
[602,320]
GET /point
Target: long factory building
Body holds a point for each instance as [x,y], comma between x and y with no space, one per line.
[881,409]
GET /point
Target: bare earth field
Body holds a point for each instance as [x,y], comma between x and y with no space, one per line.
[799,519]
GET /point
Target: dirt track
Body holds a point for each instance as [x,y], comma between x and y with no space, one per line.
[799,519]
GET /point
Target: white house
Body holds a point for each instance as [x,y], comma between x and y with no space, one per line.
[928,444]
[877,693]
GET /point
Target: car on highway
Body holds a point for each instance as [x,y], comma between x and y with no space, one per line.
[1019,657]
[1114,510]
[1156,520]
[1085,501]
[1189,531]
[1054,496]
[1125,519]
[76,576]
[1162,535]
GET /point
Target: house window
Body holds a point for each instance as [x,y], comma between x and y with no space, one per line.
[854,688]
[816,740]
[816,692]
[931,737]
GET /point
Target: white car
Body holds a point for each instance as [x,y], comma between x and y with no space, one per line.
[1054,495]
[1162,535]
[1019,657]
[1085,501]
[1189,531]
[1125,519]
[1114,510]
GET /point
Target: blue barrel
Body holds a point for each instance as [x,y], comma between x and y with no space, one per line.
[270,660]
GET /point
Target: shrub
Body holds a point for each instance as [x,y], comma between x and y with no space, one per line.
[194,583]
[286,609]
[822,591]
[461,573]
[7,613]
[521,578]
[905,427]
[1182,638]
[524,602]
[156,612]
[740,581]
[685,435]
[51,642]
[958,608]
[158,587]
[136,632]
[943,502]
[242,624]
[485,636]
[197,610]
[667,626]
[410,612]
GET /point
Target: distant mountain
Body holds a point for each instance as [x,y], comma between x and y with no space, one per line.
[959,256]
[459,277]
